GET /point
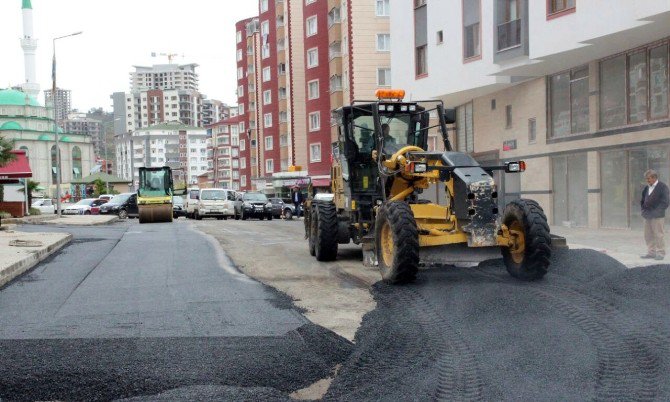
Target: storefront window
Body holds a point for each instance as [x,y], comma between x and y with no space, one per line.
[637,87]
[613,92]
[658,81]
[569,97]
[614,212]
[570,190]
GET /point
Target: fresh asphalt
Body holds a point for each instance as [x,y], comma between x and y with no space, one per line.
[129,310]
[155,312]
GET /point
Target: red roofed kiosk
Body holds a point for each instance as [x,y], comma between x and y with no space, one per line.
[17,169]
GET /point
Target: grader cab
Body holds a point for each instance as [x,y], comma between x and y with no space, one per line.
[381,167]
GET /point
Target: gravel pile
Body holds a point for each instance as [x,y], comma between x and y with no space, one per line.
[592,329]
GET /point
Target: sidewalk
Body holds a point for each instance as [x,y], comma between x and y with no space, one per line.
[624,245]
[20,251]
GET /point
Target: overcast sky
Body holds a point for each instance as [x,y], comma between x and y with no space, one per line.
[119,34]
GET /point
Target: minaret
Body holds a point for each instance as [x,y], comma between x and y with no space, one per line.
[29,45]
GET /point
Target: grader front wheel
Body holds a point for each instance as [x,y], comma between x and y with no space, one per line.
[528,259]
[397,243]
[325,235]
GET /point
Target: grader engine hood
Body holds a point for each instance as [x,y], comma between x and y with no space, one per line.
[475,203]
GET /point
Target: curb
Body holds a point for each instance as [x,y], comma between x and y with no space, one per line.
[48,222]
[18,268]
[30,220]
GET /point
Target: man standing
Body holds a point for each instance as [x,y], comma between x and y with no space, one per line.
[655,200]
[297,200]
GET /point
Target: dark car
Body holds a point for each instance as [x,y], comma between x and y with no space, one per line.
[278,207]
[253,205]
[178,207]
[124,205]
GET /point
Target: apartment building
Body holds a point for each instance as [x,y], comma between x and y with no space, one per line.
[213,111]
[63,102]
[168,144]
[305,58]
[164,76]
[247,36]
[224,159]
[79,123]
[578,90]
[136,110]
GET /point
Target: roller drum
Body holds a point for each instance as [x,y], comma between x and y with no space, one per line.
[155,213]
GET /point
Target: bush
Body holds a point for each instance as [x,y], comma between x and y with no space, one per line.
[5,215]
[34,211]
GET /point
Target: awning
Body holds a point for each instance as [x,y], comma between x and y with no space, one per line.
[320,182]
[19,168]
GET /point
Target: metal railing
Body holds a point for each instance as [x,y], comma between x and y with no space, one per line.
[509,34]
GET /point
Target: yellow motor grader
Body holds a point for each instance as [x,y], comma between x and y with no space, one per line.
[381,167]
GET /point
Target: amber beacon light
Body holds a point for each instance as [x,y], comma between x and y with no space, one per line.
[390,94]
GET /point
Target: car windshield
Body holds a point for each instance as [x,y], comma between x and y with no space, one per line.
[119,199]
[87,201]
[255,197]
[177,200]
[213,195]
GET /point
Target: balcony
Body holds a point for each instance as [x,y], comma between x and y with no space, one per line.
[334,50]
[509,34]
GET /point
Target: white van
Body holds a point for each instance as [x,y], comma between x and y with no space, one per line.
[191,201]
[218,203]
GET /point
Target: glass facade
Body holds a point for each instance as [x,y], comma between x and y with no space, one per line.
[570,190]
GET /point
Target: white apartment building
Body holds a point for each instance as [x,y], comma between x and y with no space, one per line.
[169,144]
[164,76]
[579,89]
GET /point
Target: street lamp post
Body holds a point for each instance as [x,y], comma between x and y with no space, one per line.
[53,101]
[106,161]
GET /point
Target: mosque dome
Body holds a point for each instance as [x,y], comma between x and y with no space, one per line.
[13,97]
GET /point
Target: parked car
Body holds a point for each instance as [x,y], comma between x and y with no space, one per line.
[124,205]
[218,203]
[178,207]
[191,201]
[95,206]
[253,205]
[45,205]
[278,206]
[82,207]
[106,197]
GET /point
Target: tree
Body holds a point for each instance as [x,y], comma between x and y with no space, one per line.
[32,187]
[99,186]
[5,157]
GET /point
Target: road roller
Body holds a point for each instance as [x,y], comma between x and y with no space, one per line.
[154,196]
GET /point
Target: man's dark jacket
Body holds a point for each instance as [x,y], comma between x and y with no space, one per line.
[654,205]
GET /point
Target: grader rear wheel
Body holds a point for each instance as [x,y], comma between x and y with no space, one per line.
[397,243]
[155,213]
[529,259]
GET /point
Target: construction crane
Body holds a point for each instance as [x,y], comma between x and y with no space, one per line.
[169,56]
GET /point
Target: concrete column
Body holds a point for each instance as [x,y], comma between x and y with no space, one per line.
[594,196]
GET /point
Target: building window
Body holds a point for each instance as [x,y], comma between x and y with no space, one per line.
[268,143]
[240,91]
[281,69]
[315,152]
[335,83]
[241,108]
[508,116]
[282,93]
[471,33]
[243,181]
[264,6]
[267,97]
[440,37]
[569,102]
[314,121]
[283,140]
[311,26]
[243,163]
[267,74]
[265,29]
[76,163]
[313,89]
[269,165]
[557,6]
[239,55]
[239,36]
[420,37]
[267,120]
[509,30]
[265,51]
[464,128]
[383,8]
[421,67]
[383,42]
[312,58]
[384,77]
[532,131]
[240,73]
